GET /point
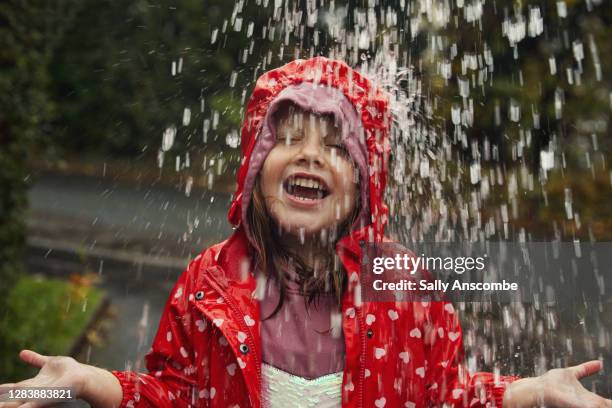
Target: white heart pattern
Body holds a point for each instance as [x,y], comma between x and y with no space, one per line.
[415,333]
[349,386]
[453,335]
[218,322]
[404,356]
[241,336]
[249,321]
[223,341]
[231,369]
[393,315]
[178,293]
[449,308]
[367,373]
[370,319]
[381,402]
[420,372]
[457,393]
[350,312]
[440,332]
[201,325]
[212,392]
[183,352]
[241,363]
[444,364]
[379,353]
[409,404]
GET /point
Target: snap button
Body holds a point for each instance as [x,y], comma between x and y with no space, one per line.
[199,295]
[370,333]
[244,348]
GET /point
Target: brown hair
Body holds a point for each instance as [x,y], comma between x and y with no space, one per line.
[273,258]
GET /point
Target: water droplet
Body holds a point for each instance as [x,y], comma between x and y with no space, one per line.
[186,116]
[514,112]
[514,29]
[168,138]
[536,22]
[232,139]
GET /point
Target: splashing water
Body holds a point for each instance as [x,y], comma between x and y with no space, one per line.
[487,101]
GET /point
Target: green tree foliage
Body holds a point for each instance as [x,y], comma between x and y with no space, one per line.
[28,31]
[534,72]
[125,73]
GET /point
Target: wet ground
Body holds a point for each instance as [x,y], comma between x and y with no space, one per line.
[138,239]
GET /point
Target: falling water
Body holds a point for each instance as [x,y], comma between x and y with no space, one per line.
[500,120]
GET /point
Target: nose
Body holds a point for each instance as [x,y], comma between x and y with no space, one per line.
[311,151]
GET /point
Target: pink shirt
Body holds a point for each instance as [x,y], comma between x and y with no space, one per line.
[307,343]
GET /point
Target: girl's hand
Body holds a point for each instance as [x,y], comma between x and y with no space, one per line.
[57,371]
[95,385]
[558,388]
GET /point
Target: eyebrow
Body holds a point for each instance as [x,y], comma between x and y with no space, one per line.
[293,116]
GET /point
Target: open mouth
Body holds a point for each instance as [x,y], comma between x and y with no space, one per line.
[306,188]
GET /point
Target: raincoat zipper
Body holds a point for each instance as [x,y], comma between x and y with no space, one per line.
[362,361]
[242,324]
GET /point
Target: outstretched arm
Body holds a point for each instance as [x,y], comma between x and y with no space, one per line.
[95,385]
[452,384]
[559,387]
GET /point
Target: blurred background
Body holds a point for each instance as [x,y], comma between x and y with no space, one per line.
[119,145]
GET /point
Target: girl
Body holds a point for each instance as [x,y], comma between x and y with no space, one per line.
[273,316]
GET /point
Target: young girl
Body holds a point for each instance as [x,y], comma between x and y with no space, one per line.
[273,316]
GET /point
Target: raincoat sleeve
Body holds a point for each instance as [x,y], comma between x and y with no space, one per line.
[450,382]
[170,362]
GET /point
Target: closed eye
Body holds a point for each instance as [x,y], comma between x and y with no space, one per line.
[289,139]
[339,148]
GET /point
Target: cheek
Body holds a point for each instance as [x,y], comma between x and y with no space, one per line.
[349,188]
[271,172]
[347,178]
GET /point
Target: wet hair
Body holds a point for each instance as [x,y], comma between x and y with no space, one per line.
[273,258]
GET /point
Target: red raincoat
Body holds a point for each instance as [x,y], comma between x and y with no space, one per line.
[207,351]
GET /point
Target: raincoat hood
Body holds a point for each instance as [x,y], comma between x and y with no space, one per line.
[346,94]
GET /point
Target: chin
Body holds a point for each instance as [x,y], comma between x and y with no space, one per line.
[294,227]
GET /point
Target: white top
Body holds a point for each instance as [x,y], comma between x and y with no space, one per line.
[282,390]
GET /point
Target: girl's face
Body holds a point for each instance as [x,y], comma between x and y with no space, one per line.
[308,179]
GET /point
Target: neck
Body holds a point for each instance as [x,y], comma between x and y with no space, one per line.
[311,249]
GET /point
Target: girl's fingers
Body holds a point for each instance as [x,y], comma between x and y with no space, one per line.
[595,400]
[4,392]
[10,404]
[33,358]
[4,389]
[5,395]
[32,404]
[586,369]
